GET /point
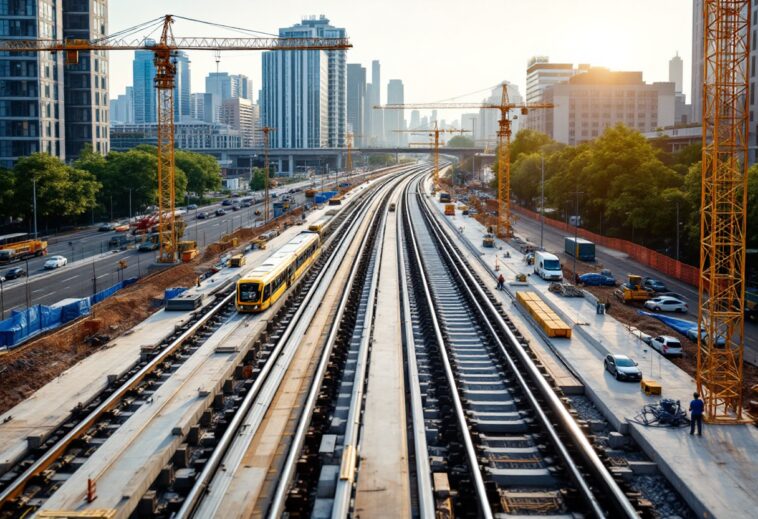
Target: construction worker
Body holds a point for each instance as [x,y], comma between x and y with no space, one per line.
[500,282]
[696,414]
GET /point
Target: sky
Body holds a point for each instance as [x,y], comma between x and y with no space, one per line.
[441,49]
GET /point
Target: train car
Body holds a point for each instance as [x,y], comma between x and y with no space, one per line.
[319,225]
[261,287]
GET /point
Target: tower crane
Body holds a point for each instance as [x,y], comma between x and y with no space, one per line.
[165,74]
[504,219]
[435,133]
[723,215]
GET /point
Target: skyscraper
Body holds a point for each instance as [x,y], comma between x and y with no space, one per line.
[676,68]
[356,100]
[201,107]
[696,94]
[122,108]
[415,119]
[242,115]
[86,83]
[541,74]
[183,87]
[377,120]
[394,120]
[305,92]
[143,82]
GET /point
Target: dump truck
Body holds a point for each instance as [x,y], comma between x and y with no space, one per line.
[632,290]
[580,248]
[22,250]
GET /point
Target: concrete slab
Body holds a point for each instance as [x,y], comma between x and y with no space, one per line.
[383,486]
[716,473]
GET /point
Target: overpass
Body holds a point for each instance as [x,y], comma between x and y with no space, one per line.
[289,160]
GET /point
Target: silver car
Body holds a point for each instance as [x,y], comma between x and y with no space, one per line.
[623,368]
[666,304]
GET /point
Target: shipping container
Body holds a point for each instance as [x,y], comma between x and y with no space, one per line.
[582,249]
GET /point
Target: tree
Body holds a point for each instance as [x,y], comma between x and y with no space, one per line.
[381,159]
[203,171]
[525,178]
[460,141]
[258,180]
[61,191]
[7,181]
[528,141]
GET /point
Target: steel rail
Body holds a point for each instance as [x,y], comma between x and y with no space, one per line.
[473,461]
[49,457]
[580,441]
[277,507]
[203,482]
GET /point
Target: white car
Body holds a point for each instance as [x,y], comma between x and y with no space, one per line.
[666,304]
[55,261]
[667,345]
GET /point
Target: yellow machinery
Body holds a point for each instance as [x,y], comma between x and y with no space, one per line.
[165,75]
[504,219]
[187,250]
[632,290]
[723,215]
[237,260]
[450,209]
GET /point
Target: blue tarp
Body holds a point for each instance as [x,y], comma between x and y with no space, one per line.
[171,293]
[686,328]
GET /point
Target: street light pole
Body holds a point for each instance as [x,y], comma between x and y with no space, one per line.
[576,230]
[677,231]
[2,300]
[34,203]
[542,201]
[130,205]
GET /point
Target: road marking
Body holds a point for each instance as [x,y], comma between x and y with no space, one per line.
[38,290]
[103,275]
[69,279]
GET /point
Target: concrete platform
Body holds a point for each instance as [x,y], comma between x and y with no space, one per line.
[716,473]
[383,486]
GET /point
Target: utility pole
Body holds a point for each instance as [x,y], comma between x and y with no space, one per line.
[677,230]
[266,202]
[542,202]
[576,229]
[34,203]
[130,205]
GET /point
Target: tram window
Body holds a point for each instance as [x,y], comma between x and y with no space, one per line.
[249,292]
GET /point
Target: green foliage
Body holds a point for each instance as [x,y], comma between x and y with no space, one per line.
[460,141]
[381,159]
[528,141]
[203,171]
[7,181]
[258,180]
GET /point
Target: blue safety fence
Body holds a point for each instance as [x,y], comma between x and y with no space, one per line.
[324,196]
[25,324]
[171,293]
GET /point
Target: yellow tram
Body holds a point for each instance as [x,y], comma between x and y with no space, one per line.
[262,286]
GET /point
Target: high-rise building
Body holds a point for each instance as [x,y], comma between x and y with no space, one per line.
[305,92]
[377,121]
[356,101]
[696,94]
[122,108]
[394,120]
[201,107]
[540,74]
[183,85]
[85,84]
[242,115]
[243,85]
[589,103]
[676,72]
[143,82]
[470,122]
[488,118]
[415,120]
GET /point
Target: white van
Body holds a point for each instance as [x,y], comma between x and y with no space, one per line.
[547,266]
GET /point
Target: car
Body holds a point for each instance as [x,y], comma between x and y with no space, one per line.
[274,195]
[639,334]
[220,212]
[105,227]
[202,215]
[247,203]
[55,261]
[692,335]
[147,246]
[123,227]
[191,207]
[622,368]
[597,279]
[666,304]
[235,207]
[13,273]
[654,285]
[228,201]
[667,345]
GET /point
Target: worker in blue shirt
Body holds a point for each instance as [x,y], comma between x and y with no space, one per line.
[696,414]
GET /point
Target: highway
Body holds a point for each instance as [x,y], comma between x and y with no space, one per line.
[91,267]
[620,264]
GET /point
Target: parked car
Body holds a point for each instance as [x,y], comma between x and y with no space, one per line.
[247,203]
[228,201]
[13,273]
[654,285]
[666,304]
[202,215]
[622,367]
[55,261]
[596,279]
[220,212]
[644,337]
[105,227]
[692,335]
[235,207]
[147,246]
[667,345]
[122,227]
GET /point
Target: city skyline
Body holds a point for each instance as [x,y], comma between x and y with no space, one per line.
[625,35]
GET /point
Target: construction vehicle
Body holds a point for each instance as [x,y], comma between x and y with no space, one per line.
[237,260]
[444,198]
[632,290]
[22,250]
[449,209]
[187,250]
[310,192]
[488,241]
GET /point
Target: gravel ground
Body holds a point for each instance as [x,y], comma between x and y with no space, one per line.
[667,502]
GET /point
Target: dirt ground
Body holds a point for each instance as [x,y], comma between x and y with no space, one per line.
[628,314]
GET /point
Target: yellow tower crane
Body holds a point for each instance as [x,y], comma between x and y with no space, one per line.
[505,107]
[723,215]
[435,133]
[164,51]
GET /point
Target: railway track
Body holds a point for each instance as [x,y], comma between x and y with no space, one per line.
[491,435]
[51,461]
